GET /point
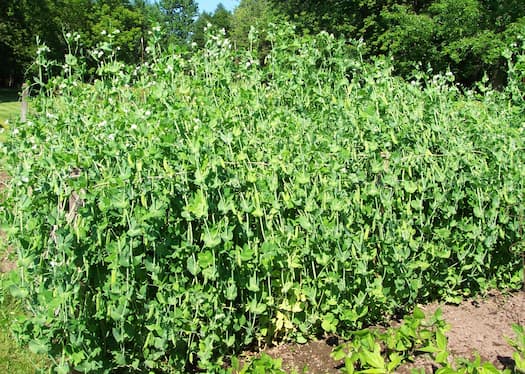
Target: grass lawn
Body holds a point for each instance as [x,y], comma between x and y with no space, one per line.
[13,358]
[9,104]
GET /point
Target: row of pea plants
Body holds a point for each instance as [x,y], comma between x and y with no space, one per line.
[168,215]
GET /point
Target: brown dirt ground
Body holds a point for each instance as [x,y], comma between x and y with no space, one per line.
[476,325]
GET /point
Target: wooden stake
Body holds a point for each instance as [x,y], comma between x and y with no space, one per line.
[25,94]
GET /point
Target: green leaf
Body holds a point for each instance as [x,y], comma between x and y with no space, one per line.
[38,346]
[409,186]
[329,323]
[442,357]
[519,361]
[231,291]
[253,284]
[374,358]
[256,307]
[18,292]
[339,352]
[62,368]
[418,313]
[441,340]
[395,360]
[198,206]
[430,348]
[192,266]
[205,259]
[211,239]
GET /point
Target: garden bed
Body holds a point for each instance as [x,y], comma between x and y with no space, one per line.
[476,325]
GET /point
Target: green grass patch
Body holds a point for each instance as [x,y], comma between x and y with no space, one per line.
[9,111]
[14,358]
[9,105]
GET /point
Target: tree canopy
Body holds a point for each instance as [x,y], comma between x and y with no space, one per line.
[220,19]
[128,22]
[467,37]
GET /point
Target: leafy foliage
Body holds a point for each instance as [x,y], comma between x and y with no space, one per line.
[250,14]
[25,24]
[372,351]
[466,37]
[206,23]
[172,213]
[177,16]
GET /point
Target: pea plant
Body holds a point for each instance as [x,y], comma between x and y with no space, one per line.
[168,215]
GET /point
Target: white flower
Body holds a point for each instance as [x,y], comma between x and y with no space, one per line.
[156,29]
[68,35]
[111,137]
[117,31]
[148,113]
[133,127]
[42,49]
[102,124]
[103,32]
[15,131]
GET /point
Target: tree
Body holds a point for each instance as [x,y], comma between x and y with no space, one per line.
[249,13]
[128,24]
[200,27]
[220,20]
[22,21]
[466,36]
[178,17]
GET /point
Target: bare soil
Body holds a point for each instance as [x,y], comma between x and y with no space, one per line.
[477,325]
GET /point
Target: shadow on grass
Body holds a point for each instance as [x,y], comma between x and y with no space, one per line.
[8,95]
[9,105]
